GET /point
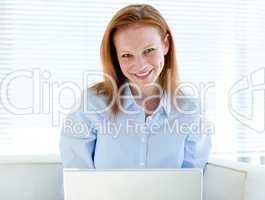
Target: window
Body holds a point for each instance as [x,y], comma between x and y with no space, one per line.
[48,45]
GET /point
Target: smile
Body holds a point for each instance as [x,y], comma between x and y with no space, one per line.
[144,74]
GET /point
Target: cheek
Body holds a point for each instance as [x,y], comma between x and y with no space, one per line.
[157,60]
[124,67]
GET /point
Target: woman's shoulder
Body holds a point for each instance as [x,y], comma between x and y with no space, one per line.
[188,103]
[89,110]
[94,99]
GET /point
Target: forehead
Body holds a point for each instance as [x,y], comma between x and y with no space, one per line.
[136,36]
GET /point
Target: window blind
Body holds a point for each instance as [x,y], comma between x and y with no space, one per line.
[218,43]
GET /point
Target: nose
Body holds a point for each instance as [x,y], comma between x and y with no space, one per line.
[140,64]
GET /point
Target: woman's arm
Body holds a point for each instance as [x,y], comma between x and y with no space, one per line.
[196,151]
[77,141]
[198,144]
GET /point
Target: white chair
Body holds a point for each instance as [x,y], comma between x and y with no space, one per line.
[229,180]
[40,180]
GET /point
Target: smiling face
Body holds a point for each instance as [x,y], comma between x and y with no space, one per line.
[140,52]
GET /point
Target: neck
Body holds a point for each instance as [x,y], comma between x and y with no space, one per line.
[145,92]
[148,97]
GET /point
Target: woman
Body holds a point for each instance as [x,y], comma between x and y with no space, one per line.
[135,117]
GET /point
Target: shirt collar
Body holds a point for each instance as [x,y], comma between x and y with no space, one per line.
[128,100]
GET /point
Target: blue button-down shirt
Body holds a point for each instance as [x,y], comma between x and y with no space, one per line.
[168,138]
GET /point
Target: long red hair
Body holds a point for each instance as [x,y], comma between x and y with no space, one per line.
[136,13]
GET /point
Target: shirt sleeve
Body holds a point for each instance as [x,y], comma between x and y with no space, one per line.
[77,141]
[197,147]
[196,151]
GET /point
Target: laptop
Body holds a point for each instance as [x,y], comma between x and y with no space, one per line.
[133,184]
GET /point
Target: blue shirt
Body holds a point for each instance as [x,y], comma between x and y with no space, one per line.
[167,138]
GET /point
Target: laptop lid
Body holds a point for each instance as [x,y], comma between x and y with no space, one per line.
[132,184]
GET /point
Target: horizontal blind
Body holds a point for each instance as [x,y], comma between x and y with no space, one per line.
[249,102]
[218,42]
[5,67]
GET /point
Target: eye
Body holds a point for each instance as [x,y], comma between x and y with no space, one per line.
[148,50]
[126,55]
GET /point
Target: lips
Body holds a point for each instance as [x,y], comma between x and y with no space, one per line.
[143,75]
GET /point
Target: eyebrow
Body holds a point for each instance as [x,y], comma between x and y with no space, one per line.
[147,46]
